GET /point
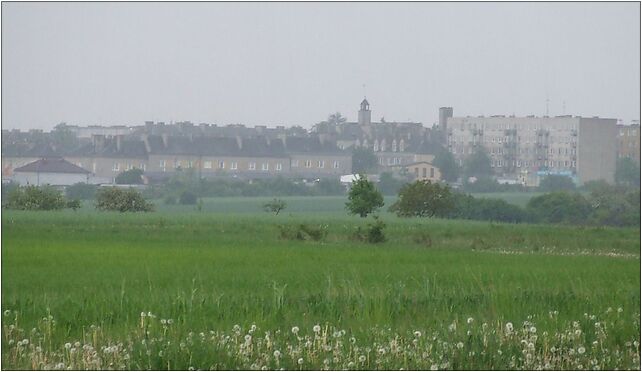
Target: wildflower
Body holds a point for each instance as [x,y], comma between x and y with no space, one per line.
[382,351]
[316,328]
[77,344]
[619,310]
[300,361]
[533,329]
[67,346]
[578,332]
[7,312]
[163,321]
[470,321]
[581,350]
[417,334]
[170,321]
[253,328]
[25,342]
[248,339]
[434,367]
[350,365]
[553,349]
[149,314]
[509,327]
[295,330]
[452,327]
[143,314]
[362,358]
[277,354]
[460,345]
[236,328]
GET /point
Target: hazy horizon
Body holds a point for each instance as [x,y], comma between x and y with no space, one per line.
[295,63]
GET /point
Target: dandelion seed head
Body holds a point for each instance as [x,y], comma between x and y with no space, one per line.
[316,328]
[470,320]
[295,330]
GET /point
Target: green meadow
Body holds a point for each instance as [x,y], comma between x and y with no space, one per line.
[180,288]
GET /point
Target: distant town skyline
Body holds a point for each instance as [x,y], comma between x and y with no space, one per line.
[296,63]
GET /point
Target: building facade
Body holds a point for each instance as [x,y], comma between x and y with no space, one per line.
[628,141]
[583,148]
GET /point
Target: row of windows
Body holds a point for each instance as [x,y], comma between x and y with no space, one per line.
[116,167]
[527,140]
[319,164]
[533,163]
[505,126]
[424,172]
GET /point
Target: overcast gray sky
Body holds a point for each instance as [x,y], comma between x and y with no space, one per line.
[294,63]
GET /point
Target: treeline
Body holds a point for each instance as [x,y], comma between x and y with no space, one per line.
[604,204]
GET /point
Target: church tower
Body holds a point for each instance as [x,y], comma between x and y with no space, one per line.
[364,113]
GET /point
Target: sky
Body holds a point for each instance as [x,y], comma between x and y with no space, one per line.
[296,63]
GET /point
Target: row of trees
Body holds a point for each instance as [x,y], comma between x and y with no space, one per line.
[604,205]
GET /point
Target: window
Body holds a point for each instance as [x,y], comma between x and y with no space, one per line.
[129,166]
[115,167]
[321,164]
[221,164]
[252,166]
[265,166]
[279,166]
[416,172]
[432,172]
[308,163]
[335,164]
[295,164]
[423,172]
[143,166]
[189,164]
[177,164]
[161,165]
[207,165]
[234,165]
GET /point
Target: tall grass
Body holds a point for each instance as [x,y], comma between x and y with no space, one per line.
[211,271]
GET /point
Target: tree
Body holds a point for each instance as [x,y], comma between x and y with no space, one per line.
[275,206]
[63,137]
[478,164]
[363,197]
[364,160]
[336,118]
[447,165]
[130,177]
[554,182]
[423,199]
[122,200]
[627,172]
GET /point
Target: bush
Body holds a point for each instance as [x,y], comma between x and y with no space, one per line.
[187,198]
[33,198]
[122,200]
[7,188]
[470,208]
[275,206]
[388,184]
[363,197]
[130,177]
[170,200]
[82,191]
[423,199]
[560,207]
[74,204]
[303,232]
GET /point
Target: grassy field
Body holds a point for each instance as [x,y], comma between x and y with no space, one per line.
[226,289]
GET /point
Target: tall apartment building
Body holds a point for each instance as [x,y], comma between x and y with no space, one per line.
[628,141]
[531,147]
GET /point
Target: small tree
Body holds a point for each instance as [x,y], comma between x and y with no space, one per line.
[122,200]
[130,177]
[423,199]
[275,206]
[363,197]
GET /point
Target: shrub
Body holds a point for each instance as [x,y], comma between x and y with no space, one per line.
[470,208]
[74,204]
[170,200]
[122,200]
[560,207]
[275,206]
[363,197]
[423,199]
[187,198]
[81,190]
[36,198]
[303,232]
